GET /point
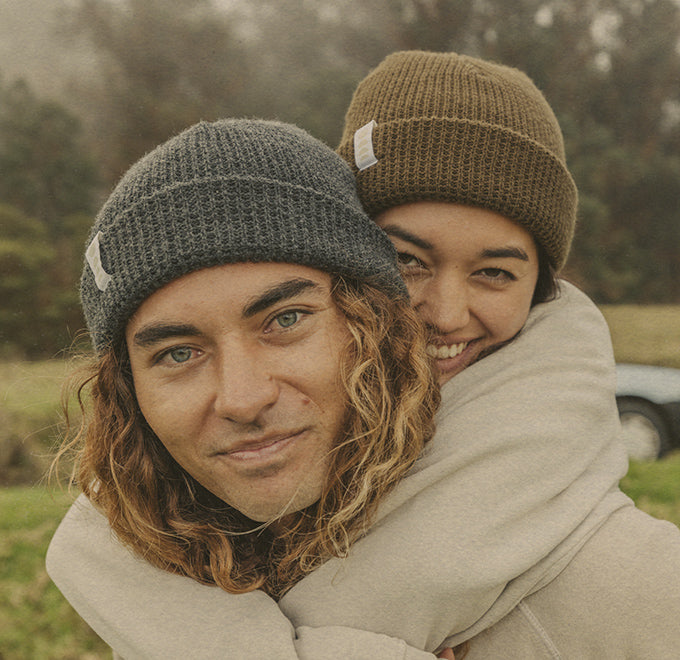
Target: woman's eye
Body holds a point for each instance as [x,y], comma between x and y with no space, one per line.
[497,274]
[287,319]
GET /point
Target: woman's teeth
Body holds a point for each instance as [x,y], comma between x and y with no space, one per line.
[444,352]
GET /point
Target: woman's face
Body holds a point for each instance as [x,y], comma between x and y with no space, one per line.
[471,274]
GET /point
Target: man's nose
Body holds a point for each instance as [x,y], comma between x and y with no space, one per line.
[244,387]
[444,303]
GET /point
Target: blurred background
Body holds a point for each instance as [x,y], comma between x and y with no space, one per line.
[88,86]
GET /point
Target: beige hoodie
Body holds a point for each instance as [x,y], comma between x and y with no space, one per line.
[522,472]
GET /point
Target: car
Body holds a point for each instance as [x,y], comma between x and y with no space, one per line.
[648,399]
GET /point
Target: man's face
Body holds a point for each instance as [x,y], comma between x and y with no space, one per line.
[237,371]
[471,274]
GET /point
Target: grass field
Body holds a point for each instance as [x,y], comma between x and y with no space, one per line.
[645,334]
[29,417]
[35,620]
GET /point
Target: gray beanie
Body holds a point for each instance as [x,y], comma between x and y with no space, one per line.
[227,192]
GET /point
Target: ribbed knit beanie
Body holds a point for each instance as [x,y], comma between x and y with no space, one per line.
[227,192]
[447,127]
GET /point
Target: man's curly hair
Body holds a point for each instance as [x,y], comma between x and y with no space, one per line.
[160,511]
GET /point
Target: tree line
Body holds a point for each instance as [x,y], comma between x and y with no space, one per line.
[609,68]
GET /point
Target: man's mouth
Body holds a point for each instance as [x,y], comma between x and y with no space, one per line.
[444,351]
[261,447]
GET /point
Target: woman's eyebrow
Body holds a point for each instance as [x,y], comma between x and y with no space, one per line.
[509,252]
[157,332]
[277,293]
[393,230]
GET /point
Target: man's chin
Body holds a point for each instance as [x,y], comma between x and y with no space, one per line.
[276,514]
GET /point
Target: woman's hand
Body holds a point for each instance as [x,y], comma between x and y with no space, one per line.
[447,654]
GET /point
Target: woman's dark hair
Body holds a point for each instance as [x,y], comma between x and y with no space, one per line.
[547,285]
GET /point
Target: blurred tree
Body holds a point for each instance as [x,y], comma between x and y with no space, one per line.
[609,68]
[46,191]
[162,67]
[25,261]
[308,60]
[44,169]
[623,144]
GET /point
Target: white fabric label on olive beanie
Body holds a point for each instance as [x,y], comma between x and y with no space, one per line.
[94,258]
[363,146]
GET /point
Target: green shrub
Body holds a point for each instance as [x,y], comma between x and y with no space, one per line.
[654,487]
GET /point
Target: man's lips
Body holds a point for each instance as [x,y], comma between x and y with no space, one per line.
[260,447]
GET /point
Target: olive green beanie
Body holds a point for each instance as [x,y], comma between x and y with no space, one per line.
[447,127]
[227,192]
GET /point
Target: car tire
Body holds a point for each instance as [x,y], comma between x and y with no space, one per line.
[645,430]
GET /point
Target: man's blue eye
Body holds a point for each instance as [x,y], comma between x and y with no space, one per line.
[180,354]
[287,319]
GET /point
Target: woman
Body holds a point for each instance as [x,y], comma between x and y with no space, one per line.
[462,163]
[521,477]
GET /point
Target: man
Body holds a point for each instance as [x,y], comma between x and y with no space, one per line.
[252,335]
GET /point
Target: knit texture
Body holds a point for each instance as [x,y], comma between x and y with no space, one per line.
[228,192]
[458,129]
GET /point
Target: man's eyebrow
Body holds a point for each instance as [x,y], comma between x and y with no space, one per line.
[393,230]
[510,252]
[158,332]
[277,293]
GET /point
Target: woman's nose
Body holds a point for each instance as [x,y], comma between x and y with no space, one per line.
[444,303]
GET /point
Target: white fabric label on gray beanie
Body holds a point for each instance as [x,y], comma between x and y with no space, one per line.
[94,259]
